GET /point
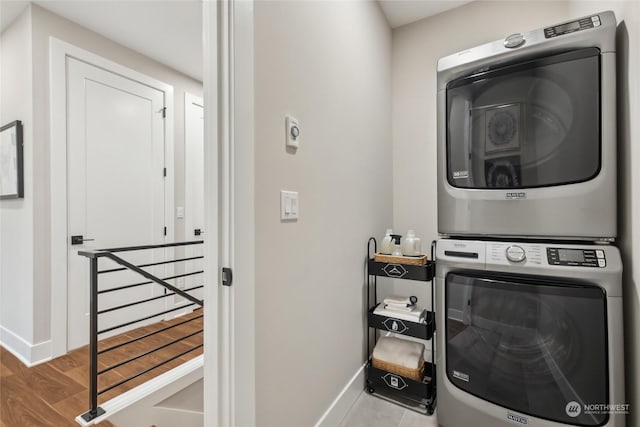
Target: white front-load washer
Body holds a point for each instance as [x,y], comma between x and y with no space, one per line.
[529,334]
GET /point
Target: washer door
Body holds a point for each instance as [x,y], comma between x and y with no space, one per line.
[533,346]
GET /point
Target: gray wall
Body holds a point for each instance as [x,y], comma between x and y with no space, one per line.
[35,275]
[328,64]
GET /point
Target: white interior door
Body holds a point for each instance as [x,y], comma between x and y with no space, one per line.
[116,157]
[194,192]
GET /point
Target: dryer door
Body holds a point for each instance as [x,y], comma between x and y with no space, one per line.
[533,346]
[533,124]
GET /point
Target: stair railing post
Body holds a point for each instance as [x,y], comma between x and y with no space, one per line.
[94,410]
[93,338]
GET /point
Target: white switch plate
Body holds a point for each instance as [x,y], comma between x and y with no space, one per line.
[293,132]
[179,212]
[289,206]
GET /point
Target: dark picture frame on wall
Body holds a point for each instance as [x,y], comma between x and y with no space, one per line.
[11,161]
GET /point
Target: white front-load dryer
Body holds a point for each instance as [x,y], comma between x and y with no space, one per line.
[529,334]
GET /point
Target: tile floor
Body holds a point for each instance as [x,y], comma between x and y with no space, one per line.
[371,411]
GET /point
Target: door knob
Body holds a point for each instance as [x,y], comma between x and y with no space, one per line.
[78,240]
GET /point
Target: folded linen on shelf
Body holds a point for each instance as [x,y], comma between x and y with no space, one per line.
[415,315]
[401,300]
[400,308]
[408,354]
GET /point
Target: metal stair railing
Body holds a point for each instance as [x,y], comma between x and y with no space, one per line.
[94,257]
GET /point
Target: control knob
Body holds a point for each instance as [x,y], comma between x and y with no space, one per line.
[515,253]
[514,40]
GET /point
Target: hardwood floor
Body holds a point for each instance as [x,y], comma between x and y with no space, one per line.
[54,393]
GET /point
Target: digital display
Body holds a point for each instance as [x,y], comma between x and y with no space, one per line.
[568,27]
[571,255]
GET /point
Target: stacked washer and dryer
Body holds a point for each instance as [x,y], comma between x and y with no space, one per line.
[528,283]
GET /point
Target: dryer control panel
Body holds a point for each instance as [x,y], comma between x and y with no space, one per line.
[570,27]
[576,257]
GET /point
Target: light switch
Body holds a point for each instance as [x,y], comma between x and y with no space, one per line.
[179,212]
[288,205]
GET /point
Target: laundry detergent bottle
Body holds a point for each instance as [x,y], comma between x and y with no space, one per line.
[411,245]
[387,247]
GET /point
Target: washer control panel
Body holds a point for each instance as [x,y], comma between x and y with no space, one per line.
[576,257]
[515,253]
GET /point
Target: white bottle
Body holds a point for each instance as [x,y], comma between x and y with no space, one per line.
[395,242]
[411,245]
[386,247]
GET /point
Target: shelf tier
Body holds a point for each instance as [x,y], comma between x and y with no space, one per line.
[402,271]
[404,327]
[378,378]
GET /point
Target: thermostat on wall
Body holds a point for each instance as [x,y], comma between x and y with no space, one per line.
[293,132]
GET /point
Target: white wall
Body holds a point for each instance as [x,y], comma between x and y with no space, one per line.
[328,64]
[33,230]
[628,52]
[16,215]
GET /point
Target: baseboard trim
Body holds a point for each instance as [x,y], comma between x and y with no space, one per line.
[29,354]
[344,401]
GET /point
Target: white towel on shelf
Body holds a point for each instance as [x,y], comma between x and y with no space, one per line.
[399,352]
[401,308]
[416,315]
[401,300]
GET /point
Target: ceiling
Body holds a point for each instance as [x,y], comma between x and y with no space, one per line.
[170,31]
[402,12]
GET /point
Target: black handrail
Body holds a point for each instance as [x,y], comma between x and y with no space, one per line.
[151,368]
[133,285]
[145,247]
[113,270]
[94,257]
[147,335]
[142,301]
[142,319]
[143,273]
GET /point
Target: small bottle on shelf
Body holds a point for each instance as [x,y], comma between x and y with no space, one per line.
[411,245]
[397,250]
[386,247]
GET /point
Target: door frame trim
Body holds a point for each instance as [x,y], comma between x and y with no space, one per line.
[229,97]
[189,99]
[58,53]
